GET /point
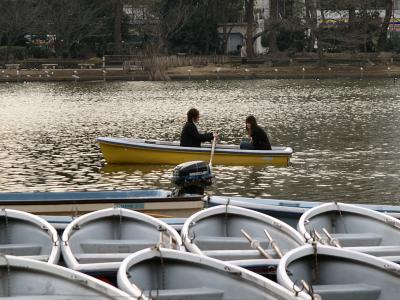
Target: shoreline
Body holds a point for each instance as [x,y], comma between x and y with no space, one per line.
[210,72]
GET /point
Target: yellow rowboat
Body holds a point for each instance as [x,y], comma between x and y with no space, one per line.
[134,151]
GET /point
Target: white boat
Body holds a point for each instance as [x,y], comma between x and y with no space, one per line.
[170,274]
[239,235]
[27,279]
[330,273]
[288,211]
[26,235]
[99,241]
[353,227]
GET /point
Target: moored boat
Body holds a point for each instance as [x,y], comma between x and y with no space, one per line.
[23,278]
[330,273]
[241,236]
[353,227]
[288,211]
[169,274]
[97,242]
[26,235]
[134,151]
[157,202]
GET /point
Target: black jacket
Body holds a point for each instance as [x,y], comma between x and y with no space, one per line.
[260,139]
[190,136]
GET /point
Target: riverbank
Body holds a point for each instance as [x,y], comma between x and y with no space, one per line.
[209,72]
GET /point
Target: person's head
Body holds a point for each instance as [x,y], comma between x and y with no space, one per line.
[251,122]
[193,115]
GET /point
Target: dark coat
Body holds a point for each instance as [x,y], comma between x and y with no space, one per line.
[190,136]
[259,139]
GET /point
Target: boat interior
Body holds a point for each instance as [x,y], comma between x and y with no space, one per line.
[22,283]
[220,236]
[341,278]
[358,232]
[22,238]
[112,238]
[166,278]
[177,144]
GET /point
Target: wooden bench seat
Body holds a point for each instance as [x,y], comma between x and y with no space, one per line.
[352,291]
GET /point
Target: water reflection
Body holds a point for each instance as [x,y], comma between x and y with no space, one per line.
[344,132]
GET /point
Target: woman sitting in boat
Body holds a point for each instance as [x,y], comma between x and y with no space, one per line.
[190,136]
[258,137]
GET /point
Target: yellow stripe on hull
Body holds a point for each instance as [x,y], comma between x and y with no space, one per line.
[119,154]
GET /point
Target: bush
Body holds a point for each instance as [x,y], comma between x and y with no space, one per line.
[15,53]
[40,52]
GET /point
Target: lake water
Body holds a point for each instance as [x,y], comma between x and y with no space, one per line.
[345,133]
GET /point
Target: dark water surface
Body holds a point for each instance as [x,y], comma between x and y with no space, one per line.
[346,134]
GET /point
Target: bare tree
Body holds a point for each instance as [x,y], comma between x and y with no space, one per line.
[251,26]
[385,24]
[17,20]
[71,21]
[118,14]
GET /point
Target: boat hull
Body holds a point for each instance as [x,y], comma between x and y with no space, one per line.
[158,203]
[124,152]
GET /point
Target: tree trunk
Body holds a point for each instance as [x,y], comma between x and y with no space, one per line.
[250,27]
[273,15]
[385,25]
[118,26]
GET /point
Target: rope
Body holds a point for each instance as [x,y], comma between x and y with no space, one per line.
[226,217]
[314,272]
[6,222]
[341,216]
[120,225]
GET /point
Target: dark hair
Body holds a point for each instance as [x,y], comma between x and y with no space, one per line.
[192,115]
[252,121]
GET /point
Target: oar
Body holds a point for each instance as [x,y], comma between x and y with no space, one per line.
[274,244]
[332,240]
[255,244]
[212,151]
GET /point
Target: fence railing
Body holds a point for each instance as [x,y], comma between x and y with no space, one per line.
[141,61]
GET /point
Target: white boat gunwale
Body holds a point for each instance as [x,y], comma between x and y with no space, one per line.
[63,272]
[69,256]
[231,209]
[41,223]
[150,145]
[344,207]
[306,250]
[225,267]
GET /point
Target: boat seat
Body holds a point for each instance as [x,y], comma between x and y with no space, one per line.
[353,291]
[358,239]
[21,249]
[221,243]
[44,258]
[50,297]
[115,246]
[202,293]
[392,258]
[89,258]
[238,254]
[378,250]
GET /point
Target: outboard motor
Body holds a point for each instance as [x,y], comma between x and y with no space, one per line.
[192,177]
